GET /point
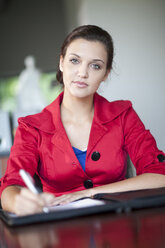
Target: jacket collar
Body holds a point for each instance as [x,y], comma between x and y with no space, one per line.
[106,111]
[49,119]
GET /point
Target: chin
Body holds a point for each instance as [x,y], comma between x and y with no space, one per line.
[81,94]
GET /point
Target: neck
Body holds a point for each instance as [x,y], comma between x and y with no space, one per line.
[77,108]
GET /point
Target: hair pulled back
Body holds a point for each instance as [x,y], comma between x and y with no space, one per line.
[90,33]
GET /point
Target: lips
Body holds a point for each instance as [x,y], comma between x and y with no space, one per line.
[80,84]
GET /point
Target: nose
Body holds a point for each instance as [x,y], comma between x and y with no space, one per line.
[83,71]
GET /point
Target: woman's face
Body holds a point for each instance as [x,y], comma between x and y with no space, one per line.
[84,67]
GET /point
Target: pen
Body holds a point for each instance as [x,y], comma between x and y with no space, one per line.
[29,181]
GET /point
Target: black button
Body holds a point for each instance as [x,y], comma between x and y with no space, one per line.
[95,156]
[161,158]
[88,184]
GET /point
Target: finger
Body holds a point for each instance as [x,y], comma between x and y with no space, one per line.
[48,198]
[26,193]
[64,199]
[25,206]
[58,200]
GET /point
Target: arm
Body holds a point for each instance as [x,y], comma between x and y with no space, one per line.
[144,181]
[7,197]
[141,145]
[24,154]
[21,201]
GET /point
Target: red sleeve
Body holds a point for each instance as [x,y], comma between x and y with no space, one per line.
[24,154]
[141,145]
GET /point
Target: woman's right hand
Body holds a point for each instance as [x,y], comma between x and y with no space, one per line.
[26,202]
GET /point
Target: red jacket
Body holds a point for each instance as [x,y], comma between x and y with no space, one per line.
[41,146]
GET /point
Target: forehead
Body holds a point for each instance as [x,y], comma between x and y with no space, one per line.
[82,47]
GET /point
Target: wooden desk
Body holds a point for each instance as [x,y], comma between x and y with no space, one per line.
[140,229]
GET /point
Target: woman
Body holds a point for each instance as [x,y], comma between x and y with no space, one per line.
[78,144]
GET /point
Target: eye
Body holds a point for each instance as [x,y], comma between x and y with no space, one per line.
[74,61]
[96,66]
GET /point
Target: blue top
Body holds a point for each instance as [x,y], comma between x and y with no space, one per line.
[81,156]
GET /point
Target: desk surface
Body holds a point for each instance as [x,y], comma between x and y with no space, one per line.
[140,229]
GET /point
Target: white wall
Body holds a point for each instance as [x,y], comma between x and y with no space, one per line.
[138,31]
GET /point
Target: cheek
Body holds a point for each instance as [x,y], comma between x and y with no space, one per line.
[95,84]
[98,78]
[66,73]
[69,70]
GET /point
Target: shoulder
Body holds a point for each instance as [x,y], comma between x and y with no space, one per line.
[108,110]
[38,121]
[115,104]
[46,120]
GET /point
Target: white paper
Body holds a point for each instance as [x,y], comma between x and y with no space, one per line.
[82,203]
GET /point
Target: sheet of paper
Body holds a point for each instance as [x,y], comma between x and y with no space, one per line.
[82,203]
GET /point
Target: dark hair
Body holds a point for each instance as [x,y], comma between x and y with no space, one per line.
[91,33]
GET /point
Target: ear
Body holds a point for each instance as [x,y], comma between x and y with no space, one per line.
[61,63]
[106,75]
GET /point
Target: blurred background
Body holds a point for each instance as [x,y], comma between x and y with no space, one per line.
[38,28]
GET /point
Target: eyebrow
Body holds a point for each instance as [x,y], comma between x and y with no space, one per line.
[95,60]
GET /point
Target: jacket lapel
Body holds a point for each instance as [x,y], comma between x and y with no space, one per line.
[97,132]
[104,113]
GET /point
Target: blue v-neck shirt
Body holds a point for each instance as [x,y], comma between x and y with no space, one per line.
[81,156]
